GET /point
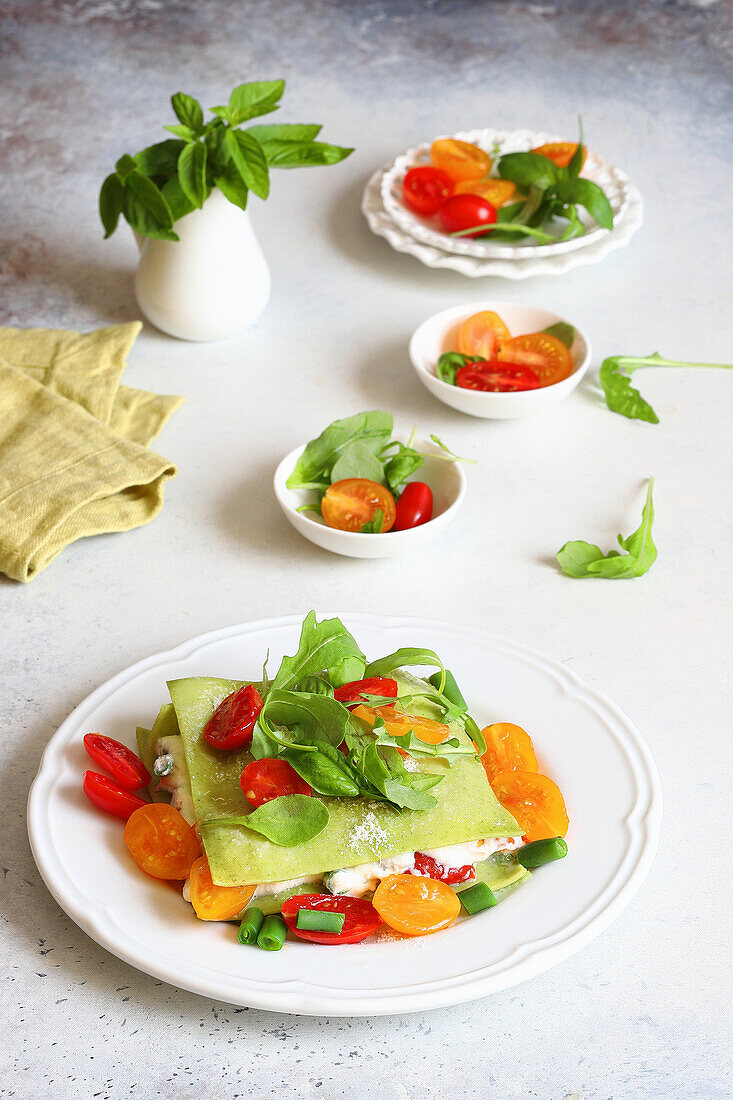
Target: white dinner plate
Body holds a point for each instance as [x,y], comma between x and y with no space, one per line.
[612,180]
[582,739]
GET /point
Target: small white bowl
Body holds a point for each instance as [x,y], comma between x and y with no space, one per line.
[446,479]
[440,333]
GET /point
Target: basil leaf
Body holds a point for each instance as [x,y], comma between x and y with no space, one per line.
[576,161]
[150,196]
[375,525]
[159,159]
[320,455]
[290,820]
[184,132]
[192,173]
[178,202]
[263,745]
[586,193]
[450,362]
[326,775]
[563,332]
[111,203]
[403,658]
[188,111]
[285,131]
[357,460]
[306,154]
[402,465]
[526,169]
[259,97]
[249,160]
[232,186]
[124,166]
[143,221]
[326,646]
[582,559]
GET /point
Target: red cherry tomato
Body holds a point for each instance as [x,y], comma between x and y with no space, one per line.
[465,211]
[121,762]
[231,724]
[111,798]
[265,779]
[361,921]
[430,868]
[414,506]
[373,685]
[496,377]
[425,188]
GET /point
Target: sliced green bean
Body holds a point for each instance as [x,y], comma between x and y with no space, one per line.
[272,934]
[252,921]
[539,852]
[477,898]
[451,689]
[319,921]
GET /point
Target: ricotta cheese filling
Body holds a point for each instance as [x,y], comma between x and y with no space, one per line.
[176,782]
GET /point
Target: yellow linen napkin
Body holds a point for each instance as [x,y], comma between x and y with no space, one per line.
[73,443]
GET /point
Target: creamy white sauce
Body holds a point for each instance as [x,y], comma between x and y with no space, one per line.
[360,880]
[177,783]
[266,889]
[458,855]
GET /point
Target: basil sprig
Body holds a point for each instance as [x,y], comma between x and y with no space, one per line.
[584,559]
[166,181]
[622,398]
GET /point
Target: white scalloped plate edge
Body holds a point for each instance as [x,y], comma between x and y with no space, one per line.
[642,824]
[383,225]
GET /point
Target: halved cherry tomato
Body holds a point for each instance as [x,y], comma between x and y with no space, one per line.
[425,188]
[429,868]
[348,504]
[161,841]
[121,762]
[544,354]
[460,159]
[414,506]
[398,724]
[497,192]
[509,748]
[560,152]
[496,377]
[231,725]
[535,801]
[213,902]
[483,334]
[109,796]
[265,779]
[466,211]
[373,685]
[415,906]
[361,920]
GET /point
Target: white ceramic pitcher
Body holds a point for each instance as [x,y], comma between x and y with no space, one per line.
[211,283]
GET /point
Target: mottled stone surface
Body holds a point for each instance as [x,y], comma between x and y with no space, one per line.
[639,1013]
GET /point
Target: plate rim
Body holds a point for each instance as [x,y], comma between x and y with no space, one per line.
[304,998]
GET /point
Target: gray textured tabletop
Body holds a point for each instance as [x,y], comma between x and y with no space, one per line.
[641,1011]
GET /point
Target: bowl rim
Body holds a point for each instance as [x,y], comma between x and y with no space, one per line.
[579,367]
[366,538]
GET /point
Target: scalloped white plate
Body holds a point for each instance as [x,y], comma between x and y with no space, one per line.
[614,182]
[526,262]
[582,740]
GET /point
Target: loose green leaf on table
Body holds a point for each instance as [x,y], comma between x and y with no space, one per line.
[289,820]
[584,559]
[622,398]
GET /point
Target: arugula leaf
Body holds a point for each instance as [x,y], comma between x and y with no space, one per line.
[401,465]
[357,460]
[583,559]
[326,646]
[289,820]
[188,111]
[448,454]
[326,771]
[375,525]
[313,468]
[314,685]
[410,742]
[563,332]
[403,658]
[621,397]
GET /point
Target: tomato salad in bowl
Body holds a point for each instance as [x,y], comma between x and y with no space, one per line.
[499,360]
[359,491]
[490,192]
[340,799]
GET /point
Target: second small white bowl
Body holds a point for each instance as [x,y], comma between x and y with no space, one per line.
[440,333]
[446,479]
